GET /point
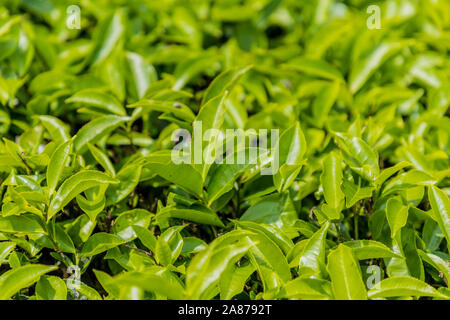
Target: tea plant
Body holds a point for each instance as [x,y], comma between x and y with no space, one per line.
[348,106]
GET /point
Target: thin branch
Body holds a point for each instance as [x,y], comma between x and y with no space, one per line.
[29,170]
[139,250]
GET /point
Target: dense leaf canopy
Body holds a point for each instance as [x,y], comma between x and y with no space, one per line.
[353,97]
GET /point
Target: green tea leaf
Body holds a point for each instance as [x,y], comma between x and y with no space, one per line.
[100,242]
[74,185]
[397,215]
[126,221]
[313,67]
[441,210]
[312,260]
[331,180]
[20,223]
[57,163]
[108,36]
[403,287]
[289,154]
[223,82]
[155,279]
[308,289]
[345,275]
[22,277]
[95,130]
[369,249]
[207,266]
[51,288]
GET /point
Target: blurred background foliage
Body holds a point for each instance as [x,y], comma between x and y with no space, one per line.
[189,42]
[379,96]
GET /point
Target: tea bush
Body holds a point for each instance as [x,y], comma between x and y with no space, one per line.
[98,96]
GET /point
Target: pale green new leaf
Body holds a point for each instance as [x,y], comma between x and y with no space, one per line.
[51,288]
[95,130]
[370,249]
[397,215]
[331,180]
[289,153]
[440,204]
[22,277]
[308,289]
[98,100]
[74,185]
[312,260]
[345,274]
[57,163]
[100,242]
[405,286]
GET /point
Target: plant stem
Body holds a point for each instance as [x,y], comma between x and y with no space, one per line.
[27,167]
[356,222]
[138,250]
[130,137]
[339,234]
[238,201]
[108,219]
